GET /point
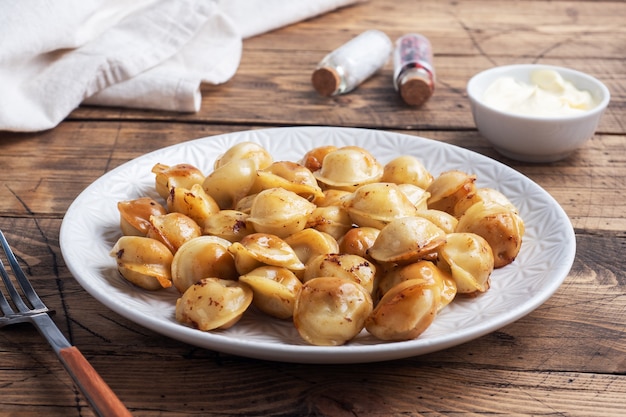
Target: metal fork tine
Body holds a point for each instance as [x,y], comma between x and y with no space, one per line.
[17,300]
[4,304]
[28,290]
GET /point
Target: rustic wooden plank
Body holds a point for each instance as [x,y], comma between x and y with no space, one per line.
[372,104]
[584,184]
[203,385]
[467,37]
[379,389]
[203,381]
[70,157]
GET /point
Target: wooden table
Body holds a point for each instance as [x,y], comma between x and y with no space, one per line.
[568,357]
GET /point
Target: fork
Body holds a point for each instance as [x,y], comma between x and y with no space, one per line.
[102,399]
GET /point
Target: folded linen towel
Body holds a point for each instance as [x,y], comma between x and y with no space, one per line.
[152,54]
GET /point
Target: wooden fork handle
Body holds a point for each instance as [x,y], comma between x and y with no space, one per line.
[103,400]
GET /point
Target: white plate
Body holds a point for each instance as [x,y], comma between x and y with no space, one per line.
[91,228]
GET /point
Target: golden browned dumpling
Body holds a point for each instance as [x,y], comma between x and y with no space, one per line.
[213,303]
[275,290]
[181,175]
[314,158]
[416,195]
[469,259]
[289,176]
[333,220]
[407,240]
[244,204]
[332,197]
[450,189]
[487,196]
[260,249]
[279,212]
[499,225]
[202,257]
[425,271]
[143,261]
[404,312]
[441,219]
[342,265]
[230,182]
[348,168]
[377,204]
[407,169]
[309,243]
[331,311]
[245,150]
[358,241]
[135,215]
[231,225]
[173,229]
[194,203]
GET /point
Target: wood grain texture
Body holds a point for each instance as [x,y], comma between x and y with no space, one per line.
[101,398]
[467,37]
[584,184]
[566,358]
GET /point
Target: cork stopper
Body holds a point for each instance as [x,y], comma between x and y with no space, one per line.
[415,89]
[326,81]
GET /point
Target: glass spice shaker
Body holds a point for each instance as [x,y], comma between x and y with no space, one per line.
[414,74]
[346,67]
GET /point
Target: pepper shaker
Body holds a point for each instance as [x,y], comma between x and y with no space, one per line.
[346,67]
[414,74]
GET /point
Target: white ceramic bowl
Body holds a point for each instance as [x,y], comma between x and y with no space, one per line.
[535,138]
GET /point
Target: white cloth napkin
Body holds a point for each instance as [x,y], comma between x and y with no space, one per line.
[151,54]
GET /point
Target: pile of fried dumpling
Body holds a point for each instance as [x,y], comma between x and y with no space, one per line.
[336,242]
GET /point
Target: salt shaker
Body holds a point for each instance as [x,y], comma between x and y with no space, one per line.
[414,74]
[346,67]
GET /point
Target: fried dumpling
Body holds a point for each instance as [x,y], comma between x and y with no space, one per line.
[377,204]
[348,168]
[407,240]
[202,257]
[330,311]
[275,290]
[279,212]
[404,312]
[180,175]
[469,259]
[143,261]
[213,303]
[499,225]
[135,215]
[449,189]
[259,249]
[407,169]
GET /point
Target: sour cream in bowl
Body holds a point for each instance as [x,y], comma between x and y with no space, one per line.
[536,113]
